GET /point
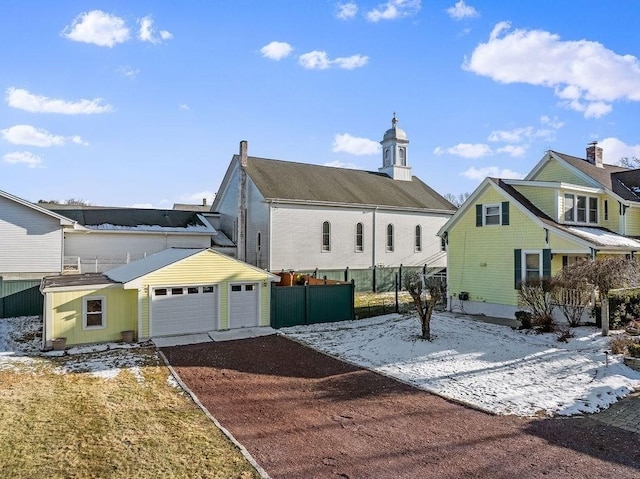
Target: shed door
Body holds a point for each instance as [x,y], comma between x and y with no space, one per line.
[243,305]
[183,309]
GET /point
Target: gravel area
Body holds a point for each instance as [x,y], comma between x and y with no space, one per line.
[302,414]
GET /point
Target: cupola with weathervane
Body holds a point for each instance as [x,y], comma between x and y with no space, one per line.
[395,153]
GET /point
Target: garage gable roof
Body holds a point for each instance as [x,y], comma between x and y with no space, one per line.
[154,262]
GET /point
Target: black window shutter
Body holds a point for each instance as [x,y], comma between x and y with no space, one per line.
[517,260]
[546,263]
[505,212]
[479,215]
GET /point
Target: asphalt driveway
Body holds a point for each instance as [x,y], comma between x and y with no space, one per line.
[302,414]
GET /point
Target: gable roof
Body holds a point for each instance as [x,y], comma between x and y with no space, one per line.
[144,266]
[64,220]
[590,236]
[598,237]
[141,219]
[286,180]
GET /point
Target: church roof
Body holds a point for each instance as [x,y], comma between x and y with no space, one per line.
[287,180]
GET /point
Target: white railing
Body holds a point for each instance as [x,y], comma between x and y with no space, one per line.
[96,264]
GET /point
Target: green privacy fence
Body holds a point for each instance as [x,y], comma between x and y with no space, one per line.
[310,304]
[20,298]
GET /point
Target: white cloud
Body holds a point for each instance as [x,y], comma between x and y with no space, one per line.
[614,149]
[24,100]
[466,150]
[349,63]
[515,151]
[347,11]
[353,145]
[97,27]
[147,33]
[393,9]
[128,72]
[479,174]
[31,136]
[276,50]
[23,157]
[196,198]
[586,76]
[184,107]
[461,10]
[140,205]
[342,164]
[315,60]
[551,122]
[319,60]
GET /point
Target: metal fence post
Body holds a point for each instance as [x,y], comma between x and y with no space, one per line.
[397,305]
[374,279]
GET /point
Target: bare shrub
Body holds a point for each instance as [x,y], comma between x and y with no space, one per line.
[535,294]
[426,294]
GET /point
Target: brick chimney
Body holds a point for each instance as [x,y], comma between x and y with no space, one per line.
[241,244]
[243,153]
[594,154]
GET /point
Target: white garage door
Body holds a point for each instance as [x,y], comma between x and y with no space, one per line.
[183,309]
[243,305]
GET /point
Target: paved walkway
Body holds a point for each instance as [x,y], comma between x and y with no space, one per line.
[624,414]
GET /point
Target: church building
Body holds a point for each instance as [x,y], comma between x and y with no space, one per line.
[285,215]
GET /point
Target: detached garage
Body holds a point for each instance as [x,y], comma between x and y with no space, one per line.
[173,292]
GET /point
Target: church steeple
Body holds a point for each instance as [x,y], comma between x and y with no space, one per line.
[395,153]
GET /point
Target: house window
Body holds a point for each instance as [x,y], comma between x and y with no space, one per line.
[192,290]
[236,287]
[491,215]
[160,292]
[580,208]
[418,240]
[94,314]
[443,244]
[568,207]
[593,210]
[533,265]
[207,289]
[606,210]
[176,291]
[389,237]
[359,238]
[403,157]
[258,241]
[326,236]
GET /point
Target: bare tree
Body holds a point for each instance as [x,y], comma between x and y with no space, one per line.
[606,273]
[456,200]
[629,162]
[426,294]
[572,297]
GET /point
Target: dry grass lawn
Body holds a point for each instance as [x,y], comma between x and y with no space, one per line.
[106,415]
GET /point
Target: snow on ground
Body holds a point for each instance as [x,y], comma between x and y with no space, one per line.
[21,340]
[492,367]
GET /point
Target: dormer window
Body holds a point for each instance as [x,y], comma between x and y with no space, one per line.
[580,209]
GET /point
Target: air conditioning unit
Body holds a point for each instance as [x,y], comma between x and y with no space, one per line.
[463,296]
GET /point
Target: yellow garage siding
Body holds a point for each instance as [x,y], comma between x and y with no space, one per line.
[67,310]
[543,198]
[481,259]
[208,267]
[554,171]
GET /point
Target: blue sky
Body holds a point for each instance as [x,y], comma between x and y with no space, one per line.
[143,103]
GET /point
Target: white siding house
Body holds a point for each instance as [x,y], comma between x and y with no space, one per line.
[31,239]
[295,216]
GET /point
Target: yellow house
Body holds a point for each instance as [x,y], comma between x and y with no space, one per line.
[176,291]
[566,208]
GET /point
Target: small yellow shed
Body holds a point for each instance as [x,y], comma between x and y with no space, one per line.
[173,292]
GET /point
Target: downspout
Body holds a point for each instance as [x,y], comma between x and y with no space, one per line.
[373,238]
[270,230]
[242,203]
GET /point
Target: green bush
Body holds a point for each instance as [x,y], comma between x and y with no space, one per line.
[634,350]
[624,307]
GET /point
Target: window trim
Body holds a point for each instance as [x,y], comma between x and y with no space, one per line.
[605,207]
[485,207]
[524,254]
[103,312]
[326,247]
[359,246]
[575,211]
[390,238]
